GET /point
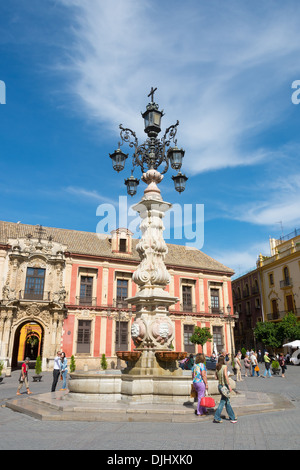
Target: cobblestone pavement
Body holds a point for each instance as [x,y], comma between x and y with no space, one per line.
[262,431]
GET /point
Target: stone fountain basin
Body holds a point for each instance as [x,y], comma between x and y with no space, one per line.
[170,356]
[131,356]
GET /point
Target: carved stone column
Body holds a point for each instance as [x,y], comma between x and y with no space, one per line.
[152,329]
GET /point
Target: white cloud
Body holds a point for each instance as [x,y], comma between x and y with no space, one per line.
[217,70]
[272,201]
[242,261]
[89,194]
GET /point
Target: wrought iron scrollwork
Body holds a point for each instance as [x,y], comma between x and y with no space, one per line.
[153,152]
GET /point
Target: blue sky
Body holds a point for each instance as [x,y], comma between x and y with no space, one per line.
[74,70]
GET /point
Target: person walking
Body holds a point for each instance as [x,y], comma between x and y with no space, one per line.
[267,362]
[222,376]
[247,365]
[254,364]
[56,371]
[259,356]
[238,367]
[282,364]
[200,382]
[64,370]
[24,377]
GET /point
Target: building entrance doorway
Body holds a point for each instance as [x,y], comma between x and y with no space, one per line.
[28,342]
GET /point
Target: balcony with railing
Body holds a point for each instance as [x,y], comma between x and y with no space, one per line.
[216,310]
[92,302]
[86,300]
[33,294]
[287,282]
[188,308]
[281,314]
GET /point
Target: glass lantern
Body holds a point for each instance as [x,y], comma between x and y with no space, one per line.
[152,119]
[175,155]
[118,160]
[179,182]
[132,184]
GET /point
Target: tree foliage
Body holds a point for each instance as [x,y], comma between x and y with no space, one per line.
[267,333]
[274,335]
[201,335]
[289,328]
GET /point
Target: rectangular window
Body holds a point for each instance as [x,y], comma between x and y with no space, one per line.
[34,286]
[188,331]
[274,309]
[214,300]
[122,327]
[122,245]
[86,290]
[122,292]
[84,336]
[187,298]
[218,338]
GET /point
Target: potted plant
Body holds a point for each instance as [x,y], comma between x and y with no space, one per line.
[201,336]
[72,364]
[103,362]
[38,369]
[275,368]
[1,368]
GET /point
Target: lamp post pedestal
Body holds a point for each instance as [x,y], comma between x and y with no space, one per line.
[152,329]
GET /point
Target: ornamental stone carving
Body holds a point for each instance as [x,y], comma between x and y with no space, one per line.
[162,330]
[138,331]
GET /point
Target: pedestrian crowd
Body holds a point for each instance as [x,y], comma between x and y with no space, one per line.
[60,370]
[253,364]
[252,361]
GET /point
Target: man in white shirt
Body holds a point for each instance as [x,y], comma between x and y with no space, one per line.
[56,371]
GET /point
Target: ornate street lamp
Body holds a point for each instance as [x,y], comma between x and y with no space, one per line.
[152,331]
[153,153]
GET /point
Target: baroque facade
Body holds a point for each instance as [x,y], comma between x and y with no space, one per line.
[280,277]
[70,290]
[270,291]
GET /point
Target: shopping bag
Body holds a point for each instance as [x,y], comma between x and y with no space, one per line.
[207,402]
[193,393]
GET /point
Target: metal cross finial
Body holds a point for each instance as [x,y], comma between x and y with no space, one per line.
[40,231]
[152,93]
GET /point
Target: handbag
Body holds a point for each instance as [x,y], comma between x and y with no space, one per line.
[256,368]
[193,393]
[207,402]
[225,391]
